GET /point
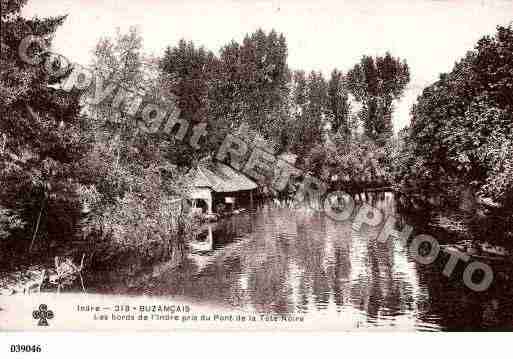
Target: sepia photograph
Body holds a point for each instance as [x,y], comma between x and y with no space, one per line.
[237,165]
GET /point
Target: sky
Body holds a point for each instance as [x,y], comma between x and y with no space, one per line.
[321,35]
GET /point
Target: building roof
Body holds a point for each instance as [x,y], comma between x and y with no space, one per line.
[222,178]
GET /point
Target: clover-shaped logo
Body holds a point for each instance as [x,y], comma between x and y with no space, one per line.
[42,314]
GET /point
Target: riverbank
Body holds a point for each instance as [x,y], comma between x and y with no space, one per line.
[278,260]
[30,271]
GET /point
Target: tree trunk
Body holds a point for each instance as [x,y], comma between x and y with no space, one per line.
[37,226]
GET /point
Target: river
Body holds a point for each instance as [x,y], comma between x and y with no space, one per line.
[277,259]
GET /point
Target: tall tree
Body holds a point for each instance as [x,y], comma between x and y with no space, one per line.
[376,83]
[39,130]
[193,69]
[201,98]
[309,111]
[461,128]
[338,103]
[254,78]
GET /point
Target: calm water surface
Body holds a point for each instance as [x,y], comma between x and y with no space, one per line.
[285,260]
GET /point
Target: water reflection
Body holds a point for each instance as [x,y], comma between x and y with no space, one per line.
[284,260]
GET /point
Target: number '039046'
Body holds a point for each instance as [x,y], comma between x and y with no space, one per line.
[25,348]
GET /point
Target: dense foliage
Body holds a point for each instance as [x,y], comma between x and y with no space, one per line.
[461,129]
[40,137]
[376,83]
[81,172]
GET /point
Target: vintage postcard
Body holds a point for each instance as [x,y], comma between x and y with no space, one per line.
[256,165]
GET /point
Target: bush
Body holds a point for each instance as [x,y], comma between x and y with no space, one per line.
[143,224]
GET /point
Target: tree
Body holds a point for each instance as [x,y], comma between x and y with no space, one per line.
[252,83]
[193,69]
[116,150]
[376,83]
[461,126]
[338,105]
[200,95]
[309,111]
[130,178]
[39,127]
